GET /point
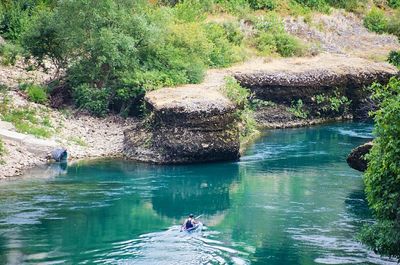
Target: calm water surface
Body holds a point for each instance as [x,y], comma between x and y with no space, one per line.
[291,199]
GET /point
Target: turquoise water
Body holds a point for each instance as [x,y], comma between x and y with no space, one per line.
[291,199]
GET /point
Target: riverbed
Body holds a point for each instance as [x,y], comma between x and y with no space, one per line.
[291,199]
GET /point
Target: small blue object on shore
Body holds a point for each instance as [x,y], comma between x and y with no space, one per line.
[59,154]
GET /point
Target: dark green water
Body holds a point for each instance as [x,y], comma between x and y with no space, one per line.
[292,199]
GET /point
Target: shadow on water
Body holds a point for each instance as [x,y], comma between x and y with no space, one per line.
[201,189]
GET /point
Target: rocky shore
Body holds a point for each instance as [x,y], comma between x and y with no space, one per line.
[82,135]
[356,158]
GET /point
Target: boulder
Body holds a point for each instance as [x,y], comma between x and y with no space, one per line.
[284,81]
[356,158]
[184,126]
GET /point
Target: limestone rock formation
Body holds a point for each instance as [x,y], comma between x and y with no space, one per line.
[287,80]
[185,126]
[356,158]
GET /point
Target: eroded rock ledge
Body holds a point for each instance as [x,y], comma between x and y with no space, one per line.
[285,81]
[185,126]
[196,123]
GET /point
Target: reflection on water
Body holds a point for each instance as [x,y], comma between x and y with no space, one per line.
[292,199]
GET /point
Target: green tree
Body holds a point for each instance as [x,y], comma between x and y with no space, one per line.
[115,50]
[382,178]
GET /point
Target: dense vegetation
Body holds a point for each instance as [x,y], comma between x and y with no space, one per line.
[380,21]
[394,58]
[382,178]
[108,53]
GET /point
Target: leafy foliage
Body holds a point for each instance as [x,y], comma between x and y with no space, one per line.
[2,149]
[376,21]
[297,108]
[272,37]
[394,3]
[245,114]
[9,53]
[319,5]
[36,93]
[115,50]
[263,4]
[382,179]
[394,58]
[393,26]
[26,120]
[349,5]
[93,100]
[333,104]
[16,15]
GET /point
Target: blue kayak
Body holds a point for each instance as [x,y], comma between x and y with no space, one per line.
[197,228]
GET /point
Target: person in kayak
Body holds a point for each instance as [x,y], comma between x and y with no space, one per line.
[189,222]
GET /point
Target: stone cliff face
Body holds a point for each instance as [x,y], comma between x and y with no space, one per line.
[185,126]
[303,79]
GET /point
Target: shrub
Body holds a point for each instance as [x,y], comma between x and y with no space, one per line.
[91,99]
[394,58]
[17,15]
[256,104]
[222,52]
[2,149]
[287,45]
[192,10]
[263,4]
[265,43]
[233,6]
[376,21]
[233,33]
[319,5]
[382,182]
[333,104]
[271,23]
[394,3]
[297,109]
[393,26]
[245,115]
[9,53]
[14,20]
[36,93]
[281,43]
[272,37]
[349,5]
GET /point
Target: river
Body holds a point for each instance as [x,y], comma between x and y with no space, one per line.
[291,199]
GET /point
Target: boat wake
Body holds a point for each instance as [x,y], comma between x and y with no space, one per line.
[172,247]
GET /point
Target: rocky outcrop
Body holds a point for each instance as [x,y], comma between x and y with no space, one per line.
[356,158]
[286,81]
[185,126]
